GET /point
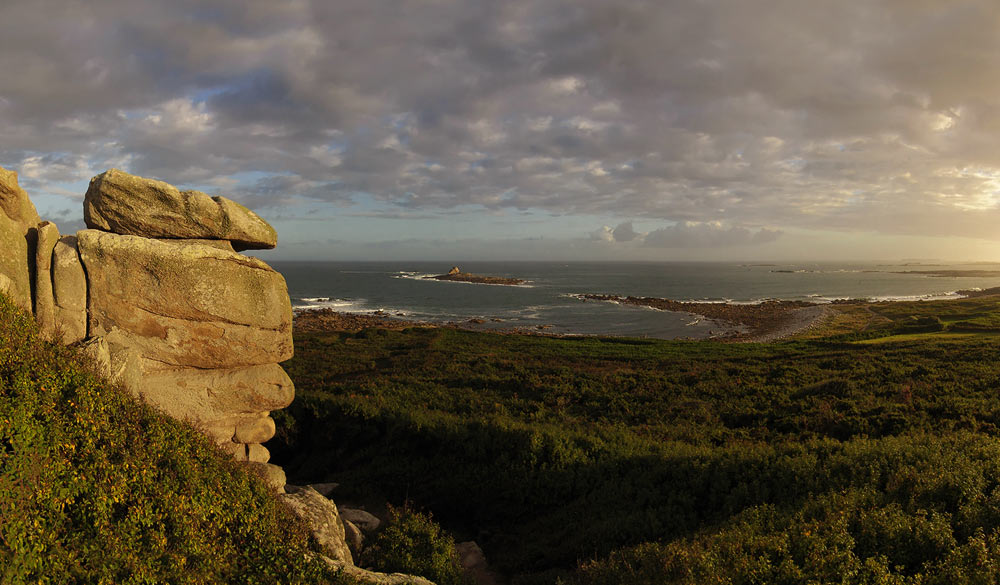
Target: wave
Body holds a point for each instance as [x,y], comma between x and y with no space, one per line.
[345,305]
[410,275]
[945,296]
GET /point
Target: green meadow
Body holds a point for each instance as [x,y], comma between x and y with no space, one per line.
[866,451]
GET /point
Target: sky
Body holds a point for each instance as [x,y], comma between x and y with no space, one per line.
[527,130]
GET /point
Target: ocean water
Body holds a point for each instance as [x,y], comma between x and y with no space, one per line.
[549,295]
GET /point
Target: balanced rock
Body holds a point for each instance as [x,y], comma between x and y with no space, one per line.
[125,204]
[18,234]
[185,304]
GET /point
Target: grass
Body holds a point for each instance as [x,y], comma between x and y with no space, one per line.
[97,488]
[610,460]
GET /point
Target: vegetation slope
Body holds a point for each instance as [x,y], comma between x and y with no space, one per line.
[870,454]
[96,488]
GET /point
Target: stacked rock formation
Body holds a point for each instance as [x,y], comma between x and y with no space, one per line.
[157,292]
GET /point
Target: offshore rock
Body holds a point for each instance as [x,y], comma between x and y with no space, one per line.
[69,289]
[129,205]
[185,304]
[18,233]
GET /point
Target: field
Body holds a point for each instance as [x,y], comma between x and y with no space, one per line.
[866,453]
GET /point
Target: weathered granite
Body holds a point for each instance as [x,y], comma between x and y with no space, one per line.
[14,202]
[126,204]
[189,304]
[45,309]
[354,538]
[257,453]
[18,233]
[117,363]
[272,475]
[186,323]
[256,430]
[372,577]
[366,521]
[201,395]
[321,515]
[69,289]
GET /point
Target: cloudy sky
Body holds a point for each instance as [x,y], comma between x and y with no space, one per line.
[541,129]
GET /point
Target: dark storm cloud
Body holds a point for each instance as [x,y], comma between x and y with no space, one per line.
[876,115]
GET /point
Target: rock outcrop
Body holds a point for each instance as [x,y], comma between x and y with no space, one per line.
[125,204]
[156,294]
[69,290]
[159,298]
[18,235]
[190,305]
[323,519]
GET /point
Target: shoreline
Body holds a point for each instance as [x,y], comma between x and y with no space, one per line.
[769,320]
[771,328]
[763,322]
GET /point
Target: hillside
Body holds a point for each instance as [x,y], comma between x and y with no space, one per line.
[865,456]
[96,488]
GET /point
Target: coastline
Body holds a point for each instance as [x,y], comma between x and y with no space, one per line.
[766,321]
[744,324]
[763,322]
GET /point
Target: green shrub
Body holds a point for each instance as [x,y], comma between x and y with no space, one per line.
[562,450]
[411,542]
[97,488]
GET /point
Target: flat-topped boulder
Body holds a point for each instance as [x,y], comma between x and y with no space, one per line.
[185,304]
[125,204]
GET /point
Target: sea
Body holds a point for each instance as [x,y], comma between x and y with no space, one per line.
[550,299]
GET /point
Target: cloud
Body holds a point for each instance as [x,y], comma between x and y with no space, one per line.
[707,235]
[825,114]
[624,232]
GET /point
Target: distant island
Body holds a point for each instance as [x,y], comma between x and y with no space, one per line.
[457,275]
[954,273]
